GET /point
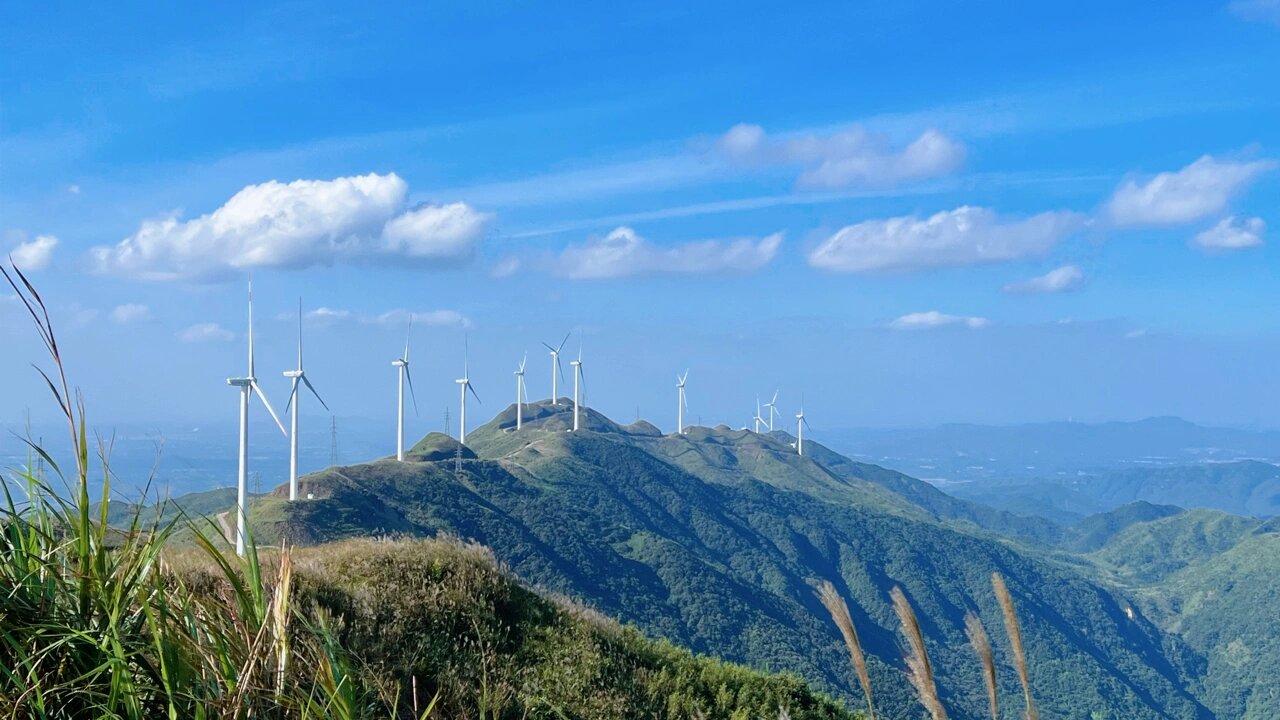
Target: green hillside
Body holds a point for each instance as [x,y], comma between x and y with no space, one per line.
[443,612]
[1210,578]
[714,540]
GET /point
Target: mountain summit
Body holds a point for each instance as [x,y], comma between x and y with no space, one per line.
[715,539]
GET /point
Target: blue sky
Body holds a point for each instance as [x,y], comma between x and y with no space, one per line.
[908,213]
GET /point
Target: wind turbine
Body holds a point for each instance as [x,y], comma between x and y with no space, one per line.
[757,419]
[298,376]
[402,364]
[521,394]
[578,380]
[464,385]
[682,405]
[801,424]
[248,386]
[556,368]
[773,408]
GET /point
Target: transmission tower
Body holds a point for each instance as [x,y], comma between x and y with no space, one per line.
[446,422]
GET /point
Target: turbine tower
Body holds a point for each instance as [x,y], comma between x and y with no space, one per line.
[464,386]
[248,386]
[556,367]
[579,383]
[801,424]
[521,394]
[402,366]
[682,405]
[773,408]
[298,377]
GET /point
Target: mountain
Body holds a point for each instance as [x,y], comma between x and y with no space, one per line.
[1095,531]
[1209,577]
[715,540]
[1243,487]
[962,452]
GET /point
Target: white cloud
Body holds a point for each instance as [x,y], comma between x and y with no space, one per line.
[964,236]
[295,225]
[130,312]
[435,232]
[324,314]
[506,267]
[935,319]
[206,332]
[1231,233]
[624,253]
[1067,277]
[1196,191]
[328,315]
[1267,11]
[73,189]
[841,158]
[436,318]
[34,254]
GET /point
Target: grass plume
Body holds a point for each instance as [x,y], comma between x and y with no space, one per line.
[977,635]
[919,669]
[839,610]
[1014,631]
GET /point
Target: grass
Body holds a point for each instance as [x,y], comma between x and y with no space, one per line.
[919,669]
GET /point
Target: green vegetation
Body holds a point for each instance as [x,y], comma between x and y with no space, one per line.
[1209,578]
[715,540]
[115,621]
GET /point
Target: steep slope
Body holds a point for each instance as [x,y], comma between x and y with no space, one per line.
[714,540]
[1209,577]
[444,615]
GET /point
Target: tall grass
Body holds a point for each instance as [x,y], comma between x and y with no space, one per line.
[1014,630]
[919,669]
[839,610]
[94,623]
[981,644]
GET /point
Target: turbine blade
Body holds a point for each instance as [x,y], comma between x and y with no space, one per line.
[406,339]
[549,347]
[267,403]
[409,376]
[292,394]
[312,388]
[299,333]
[473,393]
[250,325]
[565,340]
[559,367]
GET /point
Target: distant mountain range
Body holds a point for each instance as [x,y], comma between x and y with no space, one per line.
[1065,471]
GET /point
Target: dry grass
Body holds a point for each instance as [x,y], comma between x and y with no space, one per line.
[839,610]
[982,647]
[1015,640]
[919,669]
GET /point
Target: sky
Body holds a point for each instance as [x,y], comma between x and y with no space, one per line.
[897,214]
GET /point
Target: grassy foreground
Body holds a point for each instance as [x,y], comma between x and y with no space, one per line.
[97,623]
